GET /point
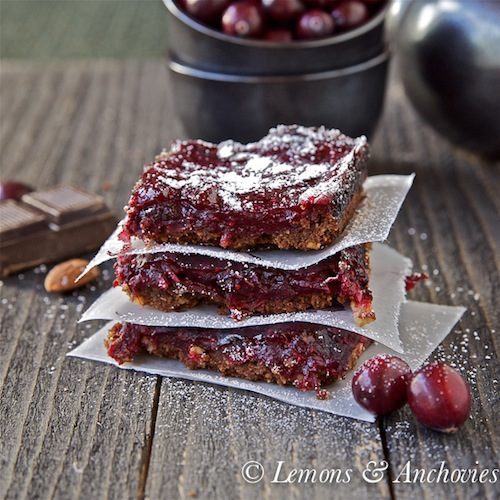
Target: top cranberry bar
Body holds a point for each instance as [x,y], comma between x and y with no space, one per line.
[296,188]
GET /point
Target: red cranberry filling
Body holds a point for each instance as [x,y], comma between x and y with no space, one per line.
[307,356]
[243,288]
[413,279]
[294,175]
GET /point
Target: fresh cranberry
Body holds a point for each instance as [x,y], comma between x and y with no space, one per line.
[439,397]
[350,14]
[320,4]
[283,10]
[380,384]
[243,19]
[315,24]
[12,190]
[278,35]
[206,11]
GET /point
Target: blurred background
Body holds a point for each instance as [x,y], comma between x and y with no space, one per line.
[61,29]
[446,50]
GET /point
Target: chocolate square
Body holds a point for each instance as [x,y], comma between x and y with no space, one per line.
[48,226]
[17,220]
[64,204]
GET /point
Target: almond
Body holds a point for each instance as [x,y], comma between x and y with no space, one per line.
[61,278]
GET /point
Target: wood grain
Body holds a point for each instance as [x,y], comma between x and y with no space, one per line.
[73,429]
[454,213]
[204,436]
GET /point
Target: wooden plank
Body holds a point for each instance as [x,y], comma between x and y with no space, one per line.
[205,434]
[451,216]
[69,429]
[74,429]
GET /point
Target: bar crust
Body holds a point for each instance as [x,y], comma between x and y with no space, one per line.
[168,281]
[303,355]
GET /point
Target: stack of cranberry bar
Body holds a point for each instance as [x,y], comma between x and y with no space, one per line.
[295,189]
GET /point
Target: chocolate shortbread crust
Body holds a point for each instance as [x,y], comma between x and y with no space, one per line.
[310,358]
[174,282]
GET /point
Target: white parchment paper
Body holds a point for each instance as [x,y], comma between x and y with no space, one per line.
[422,328]
[371,222]
[387,283]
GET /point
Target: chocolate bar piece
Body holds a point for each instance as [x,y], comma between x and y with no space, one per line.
[65,204]
[48,226]
[16,219]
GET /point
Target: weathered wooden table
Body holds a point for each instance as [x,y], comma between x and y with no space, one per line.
[79,429]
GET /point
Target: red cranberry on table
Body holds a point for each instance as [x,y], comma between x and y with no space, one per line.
[12,190]
[350,14]
[283,10]
[439,397]
[380,384]
[278,35]
[243,19]
[207,11]
[315,24]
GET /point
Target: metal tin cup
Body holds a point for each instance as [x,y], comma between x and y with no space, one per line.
[217,106]
[199,46]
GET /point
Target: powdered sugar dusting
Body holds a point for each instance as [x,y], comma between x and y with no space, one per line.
[332,184]
[372,221]
[293,164]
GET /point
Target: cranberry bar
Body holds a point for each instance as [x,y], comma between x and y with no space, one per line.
[300,354]
[296,188]
[173,281]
